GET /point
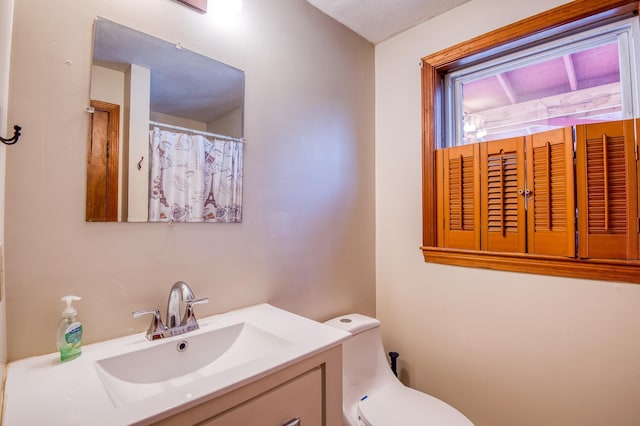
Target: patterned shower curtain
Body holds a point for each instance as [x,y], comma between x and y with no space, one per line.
[193,179]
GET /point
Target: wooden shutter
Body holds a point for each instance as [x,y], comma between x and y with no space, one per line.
[503,213]
[607,190]
[551,201]
[460,197]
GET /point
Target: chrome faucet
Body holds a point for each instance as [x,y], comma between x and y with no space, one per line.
[180,292]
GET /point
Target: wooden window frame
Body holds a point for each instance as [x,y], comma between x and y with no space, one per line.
[568,16]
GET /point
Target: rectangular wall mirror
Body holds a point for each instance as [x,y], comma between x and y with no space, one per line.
[166,140]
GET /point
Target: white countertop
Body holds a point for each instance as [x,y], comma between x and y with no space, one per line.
[43,391]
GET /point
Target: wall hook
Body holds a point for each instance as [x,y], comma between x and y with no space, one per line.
[140,163]
[14,139]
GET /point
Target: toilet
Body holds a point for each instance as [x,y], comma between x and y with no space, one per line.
[372,394]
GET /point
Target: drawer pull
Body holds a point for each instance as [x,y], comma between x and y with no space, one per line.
[294,422]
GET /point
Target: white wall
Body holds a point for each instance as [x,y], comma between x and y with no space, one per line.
[136,122]
[229,124]
[504,348]
[177,121]
[6,130]
[306,243]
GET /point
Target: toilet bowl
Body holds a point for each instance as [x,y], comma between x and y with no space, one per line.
[372,394]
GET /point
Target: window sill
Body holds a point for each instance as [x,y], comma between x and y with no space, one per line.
[593,269]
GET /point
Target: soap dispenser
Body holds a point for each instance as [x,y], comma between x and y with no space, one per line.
[69,335]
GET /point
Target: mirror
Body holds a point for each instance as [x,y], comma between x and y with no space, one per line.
[166,132]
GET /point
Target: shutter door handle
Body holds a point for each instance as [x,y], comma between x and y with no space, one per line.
[526,193]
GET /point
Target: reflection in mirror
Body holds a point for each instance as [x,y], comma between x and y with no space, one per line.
[166,132]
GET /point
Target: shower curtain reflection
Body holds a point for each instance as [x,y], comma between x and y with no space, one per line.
[193,179]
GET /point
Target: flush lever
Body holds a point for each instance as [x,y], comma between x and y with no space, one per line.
[294,422]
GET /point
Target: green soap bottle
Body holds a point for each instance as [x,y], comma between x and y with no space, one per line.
[69,335]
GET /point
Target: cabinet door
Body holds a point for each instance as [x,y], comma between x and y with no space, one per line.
[300,398]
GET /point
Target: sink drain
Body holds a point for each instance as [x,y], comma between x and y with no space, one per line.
[182,346]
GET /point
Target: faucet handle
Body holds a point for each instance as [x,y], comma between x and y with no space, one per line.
[189,318]
[156,328]
[197,301]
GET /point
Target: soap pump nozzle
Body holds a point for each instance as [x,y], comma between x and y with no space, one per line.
[69,311]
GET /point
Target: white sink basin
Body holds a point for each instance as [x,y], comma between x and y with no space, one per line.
[183,359]
[130,380]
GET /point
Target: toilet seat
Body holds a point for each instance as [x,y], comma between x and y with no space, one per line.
[395,405]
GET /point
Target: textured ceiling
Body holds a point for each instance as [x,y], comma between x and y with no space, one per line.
[377,20]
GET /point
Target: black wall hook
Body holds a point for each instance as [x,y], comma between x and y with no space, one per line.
[14,139]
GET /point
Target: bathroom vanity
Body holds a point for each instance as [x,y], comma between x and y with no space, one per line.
[256,365]
[305,391]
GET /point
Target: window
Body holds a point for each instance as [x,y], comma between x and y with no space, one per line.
[575,79]
[502,147]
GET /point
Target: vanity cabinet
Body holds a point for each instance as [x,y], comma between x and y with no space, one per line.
[309,390]
[300,399]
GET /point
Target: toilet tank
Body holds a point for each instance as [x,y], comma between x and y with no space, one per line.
[365,367]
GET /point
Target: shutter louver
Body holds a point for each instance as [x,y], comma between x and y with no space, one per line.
[551,204]
[607,190]
[461,189]
[503,214]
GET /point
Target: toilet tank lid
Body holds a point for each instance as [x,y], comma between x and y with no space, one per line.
[353,323]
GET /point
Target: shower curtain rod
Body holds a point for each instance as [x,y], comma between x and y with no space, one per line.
[199,132]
